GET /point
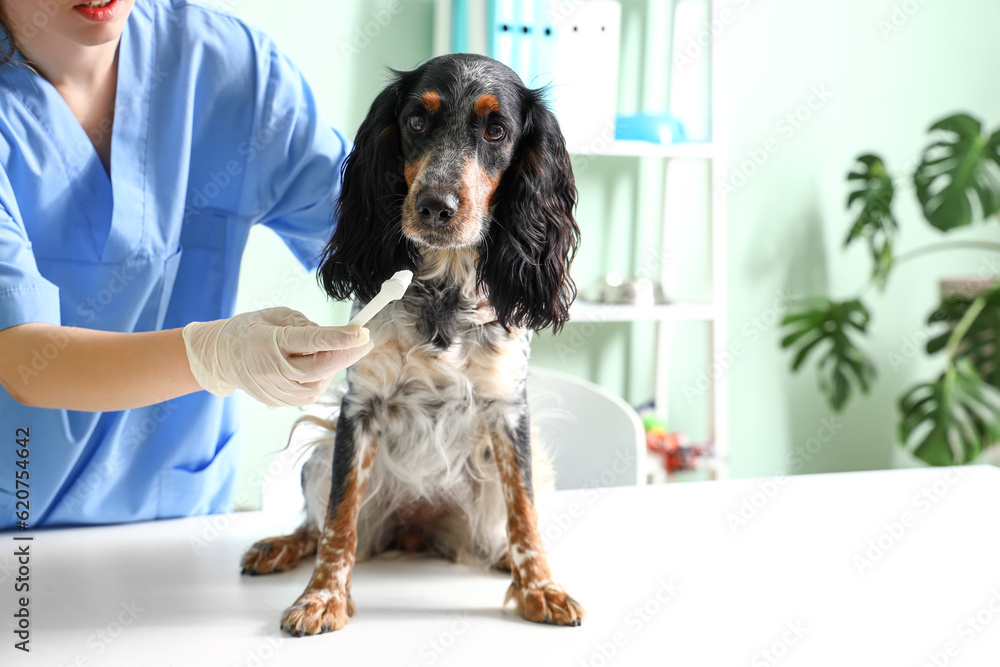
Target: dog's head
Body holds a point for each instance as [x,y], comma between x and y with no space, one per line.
[459,153]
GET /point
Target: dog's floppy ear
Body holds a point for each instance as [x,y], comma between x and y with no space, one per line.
[368,245]
[532,241]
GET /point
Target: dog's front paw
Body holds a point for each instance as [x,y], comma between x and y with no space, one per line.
[318,612]
[546,602]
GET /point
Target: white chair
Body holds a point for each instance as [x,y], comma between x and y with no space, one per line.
[593,437]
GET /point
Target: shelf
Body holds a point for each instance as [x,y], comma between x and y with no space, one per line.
[701,150]
[589,311]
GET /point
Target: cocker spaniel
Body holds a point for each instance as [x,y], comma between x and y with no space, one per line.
[461,174]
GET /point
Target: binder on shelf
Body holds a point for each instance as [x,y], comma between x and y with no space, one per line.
[478,26]
[544,45]
[460,26]
[585,71]
[468,26]
[502,20]
[443,26]
[570,46]
[523,38]
[524,34]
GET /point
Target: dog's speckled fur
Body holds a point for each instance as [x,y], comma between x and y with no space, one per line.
[432,447]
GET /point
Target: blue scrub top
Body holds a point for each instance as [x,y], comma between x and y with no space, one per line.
[214,131]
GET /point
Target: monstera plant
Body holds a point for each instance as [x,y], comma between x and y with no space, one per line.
[953,418]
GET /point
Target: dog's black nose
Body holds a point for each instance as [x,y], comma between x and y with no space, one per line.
[437,210]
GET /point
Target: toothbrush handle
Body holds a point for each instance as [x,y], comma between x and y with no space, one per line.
[368,312]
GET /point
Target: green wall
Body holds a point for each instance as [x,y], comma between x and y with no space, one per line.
[882,87]
[889,75]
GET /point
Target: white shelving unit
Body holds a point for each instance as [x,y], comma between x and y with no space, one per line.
[666,316]
[713,312]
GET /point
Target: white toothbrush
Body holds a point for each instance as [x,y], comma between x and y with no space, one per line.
[392,290]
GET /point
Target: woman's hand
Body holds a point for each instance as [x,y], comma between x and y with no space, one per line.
[277,356]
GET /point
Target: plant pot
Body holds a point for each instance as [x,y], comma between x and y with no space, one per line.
[969,288]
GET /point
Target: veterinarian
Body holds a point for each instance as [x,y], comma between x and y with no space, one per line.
[138,145]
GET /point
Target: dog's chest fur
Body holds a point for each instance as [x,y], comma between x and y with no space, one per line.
[441,376]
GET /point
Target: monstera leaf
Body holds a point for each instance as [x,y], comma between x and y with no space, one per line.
[959,175]
[827,326]
[951,420]
[979,343]
[875,221]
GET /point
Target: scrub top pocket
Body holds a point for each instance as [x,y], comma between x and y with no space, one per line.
[190,490]
[203,284]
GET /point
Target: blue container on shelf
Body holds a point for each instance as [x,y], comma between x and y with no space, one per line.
[660,127]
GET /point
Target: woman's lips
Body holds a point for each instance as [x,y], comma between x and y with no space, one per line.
[107,11]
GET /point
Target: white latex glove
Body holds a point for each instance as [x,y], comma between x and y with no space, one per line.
[277,356]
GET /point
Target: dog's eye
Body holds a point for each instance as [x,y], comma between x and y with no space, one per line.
[418,122]
[495,132]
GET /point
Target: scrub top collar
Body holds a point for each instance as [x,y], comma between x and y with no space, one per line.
[115,202]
